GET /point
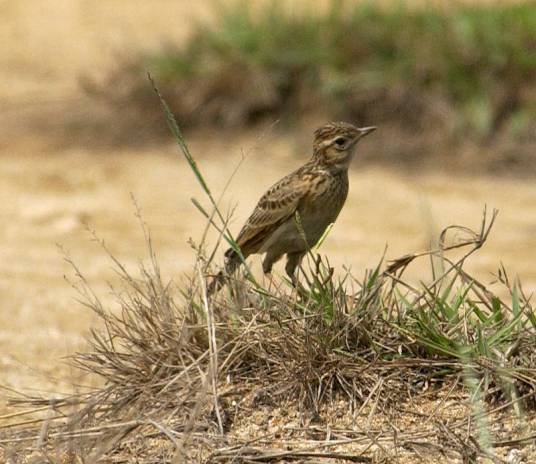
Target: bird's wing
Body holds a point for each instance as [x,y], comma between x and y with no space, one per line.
[275,207]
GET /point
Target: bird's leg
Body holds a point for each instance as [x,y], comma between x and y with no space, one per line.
[267,270]
[293,259]
[267,264]
[270,277]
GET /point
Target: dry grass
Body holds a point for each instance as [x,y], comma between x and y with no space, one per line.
[179,371]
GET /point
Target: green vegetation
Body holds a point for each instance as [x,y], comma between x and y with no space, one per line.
[463,70]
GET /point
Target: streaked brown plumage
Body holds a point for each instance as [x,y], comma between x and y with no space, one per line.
[316,192]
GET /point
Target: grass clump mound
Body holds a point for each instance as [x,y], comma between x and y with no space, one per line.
[342,359]
[180,372]
[462,74]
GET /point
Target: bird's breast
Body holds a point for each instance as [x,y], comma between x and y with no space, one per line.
[326,198]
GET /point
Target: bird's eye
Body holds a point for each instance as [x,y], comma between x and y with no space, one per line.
[340,141]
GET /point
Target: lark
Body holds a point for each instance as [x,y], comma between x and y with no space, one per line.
[294,213]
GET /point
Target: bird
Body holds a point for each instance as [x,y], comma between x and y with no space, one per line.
[293,214]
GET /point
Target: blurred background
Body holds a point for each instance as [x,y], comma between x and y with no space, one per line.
[451,86]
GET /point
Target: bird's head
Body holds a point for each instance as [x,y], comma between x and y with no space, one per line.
[335,143]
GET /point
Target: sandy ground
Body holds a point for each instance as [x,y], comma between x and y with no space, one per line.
[48,194]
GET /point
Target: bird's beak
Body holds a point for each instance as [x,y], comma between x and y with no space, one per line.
[366,130]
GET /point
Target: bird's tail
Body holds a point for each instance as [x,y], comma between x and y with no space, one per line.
[232,262]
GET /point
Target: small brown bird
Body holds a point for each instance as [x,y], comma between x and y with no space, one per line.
[294,213]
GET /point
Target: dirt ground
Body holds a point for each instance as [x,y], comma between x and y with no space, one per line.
[49,193]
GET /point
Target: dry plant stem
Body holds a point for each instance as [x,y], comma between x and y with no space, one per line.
[260,455]
[190,424]
[210,221]
[31,421]
[24,413]
[222,229]
[477,241]
[168,433]
[315,446]
[213,349]
[442,402]
[109,443]
[186,152]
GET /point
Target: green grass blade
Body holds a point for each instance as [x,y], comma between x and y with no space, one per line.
[179,138]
